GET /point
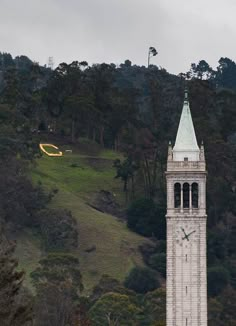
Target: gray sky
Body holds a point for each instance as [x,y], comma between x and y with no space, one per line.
[182,31]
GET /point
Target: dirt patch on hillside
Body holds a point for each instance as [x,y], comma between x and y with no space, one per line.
[105,202]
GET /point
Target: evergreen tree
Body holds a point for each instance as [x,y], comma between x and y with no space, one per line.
[13,312]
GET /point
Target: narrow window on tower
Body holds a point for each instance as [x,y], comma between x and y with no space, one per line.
[186,258]
[177,194]
[186,321]
[195,195]
[186,195]
[186,289]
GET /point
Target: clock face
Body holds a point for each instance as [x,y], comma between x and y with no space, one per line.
[186,233]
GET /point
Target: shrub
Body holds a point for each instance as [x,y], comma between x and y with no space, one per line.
[142,280]
[149,249]
[58,228]
[108,284]
[158,262]
[147,218]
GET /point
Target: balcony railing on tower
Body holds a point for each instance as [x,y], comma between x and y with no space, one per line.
[186,166]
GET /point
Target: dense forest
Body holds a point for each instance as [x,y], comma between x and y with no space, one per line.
[133,111]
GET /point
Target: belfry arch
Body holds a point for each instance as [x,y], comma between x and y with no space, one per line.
[186,195]
[195,195]
[177,194]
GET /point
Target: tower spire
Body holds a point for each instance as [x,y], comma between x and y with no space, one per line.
[186,94]
[186,143]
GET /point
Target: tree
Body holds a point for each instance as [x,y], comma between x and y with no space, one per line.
[125,171]
[23,62]
[19,200]
[145,152]
[81,317]
[151,53]
[59,269]
[225,76]
[158,262]
[69,96]
[53,306]
[114,309]
[22,91]
[202,70]
[12,311]
[15,135]
[155,307]
[101,79]
[126,64]
[215,309]
[142,280]
[147,218]
[6,61]
[217,280]
[79,108]
[58,229]
[58,283]
[108,284]
[122,115]
[226,99]
[228,301]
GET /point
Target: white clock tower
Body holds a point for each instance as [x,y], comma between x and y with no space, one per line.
[186,227]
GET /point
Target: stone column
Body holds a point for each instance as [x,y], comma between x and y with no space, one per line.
[190,198]
[181,199]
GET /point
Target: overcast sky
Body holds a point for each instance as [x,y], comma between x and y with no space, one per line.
[182,31]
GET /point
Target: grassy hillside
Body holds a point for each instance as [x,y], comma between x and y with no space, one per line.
[77,176]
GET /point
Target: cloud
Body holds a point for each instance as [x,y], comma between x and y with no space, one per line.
[183,31]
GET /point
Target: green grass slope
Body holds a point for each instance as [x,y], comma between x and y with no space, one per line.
[77,177]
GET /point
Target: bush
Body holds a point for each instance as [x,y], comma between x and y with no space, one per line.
[20,201]
[108,284]
[58,228]
[158,262]
[142,280]
[149,249]
[147,218]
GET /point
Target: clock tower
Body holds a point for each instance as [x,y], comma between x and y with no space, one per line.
[186,227]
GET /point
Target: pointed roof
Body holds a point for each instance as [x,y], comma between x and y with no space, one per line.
[186,141]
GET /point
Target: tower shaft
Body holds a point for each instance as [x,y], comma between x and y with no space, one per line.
[186,228]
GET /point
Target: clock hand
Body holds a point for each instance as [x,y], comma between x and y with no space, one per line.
[185,235]
[191,233]
[184,232]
